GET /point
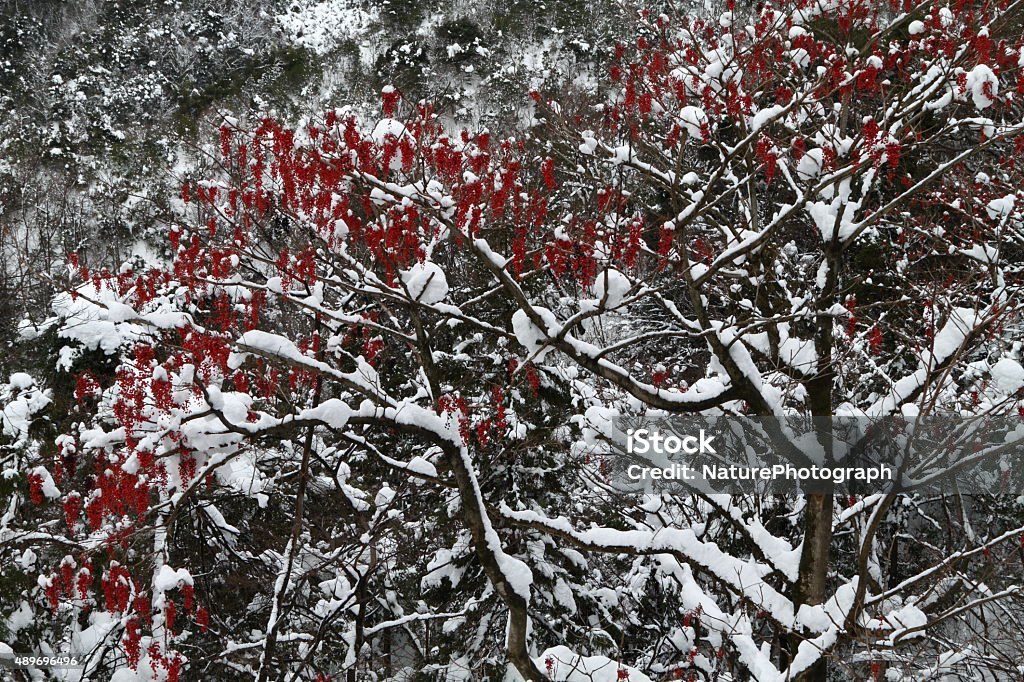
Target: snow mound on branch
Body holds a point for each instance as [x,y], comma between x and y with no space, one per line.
[49,487]
[568,666]
[426,283]
[22,617]
[835,214]
[386,127]
[589,143]
[693,119]
[332,412]
[442,566]
[390,129]
[610,288]
[532,337]
[168,579]
[998,209]
[21,381]
[764,116]
[961,323]
[20,401]
[906,622]
[597,424]
[1008,375]
[98,319]
[983,85]
[810,164]
[982,253]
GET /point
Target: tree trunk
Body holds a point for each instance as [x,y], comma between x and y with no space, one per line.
[479,524]
[814,570]
[817,538]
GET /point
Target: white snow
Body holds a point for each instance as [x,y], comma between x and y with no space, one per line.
[333,412]
[390,129]
[826,216]
[442,567]
[21,381]
[810,164]
[1008,375]
[21,400]
[532,337]
[762,117]
[50,490]
[323,26]
[746,577]
[692,118]
[19,619]
[900,621]
[168,578]
[426,282]
[983,85]
[589,144]
[1001,207]
[387,127]
[610,288]
[97,319]
[484,248]
[568,666]
[801,58]
[960,323]
[948,340]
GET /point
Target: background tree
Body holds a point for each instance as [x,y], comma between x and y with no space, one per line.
[357,423]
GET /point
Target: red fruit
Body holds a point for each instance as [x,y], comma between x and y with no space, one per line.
[72,508]
[203,619]
[875,340]
[547,169]
[189,593]
[170,613]
[35,488]
[52,592]
[132,643]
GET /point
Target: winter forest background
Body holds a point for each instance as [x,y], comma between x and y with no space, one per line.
[314,317]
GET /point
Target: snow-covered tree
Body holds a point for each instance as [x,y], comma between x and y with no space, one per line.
[356,423]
